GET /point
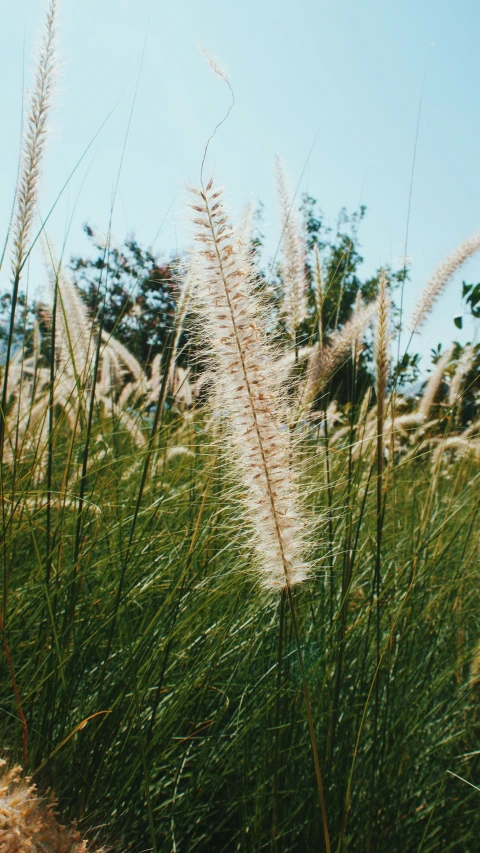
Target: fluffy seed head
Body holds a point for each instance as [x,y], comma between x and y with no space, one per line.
[295,305]
[437,283]
[27,822]
[382,340]
[433,384]
[319,291]
[463,366]
[246,394]
[73,327]
[324,360]
[36,127]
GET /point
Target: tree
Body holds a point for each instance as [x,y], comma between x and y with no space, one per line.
[131,291]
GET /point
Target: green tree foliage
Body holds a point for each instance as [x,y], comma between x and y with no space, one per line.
[341,259]
[131,291]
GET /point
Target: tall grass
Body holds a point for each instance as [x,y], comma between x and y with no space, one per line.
[154,712]
[145,653]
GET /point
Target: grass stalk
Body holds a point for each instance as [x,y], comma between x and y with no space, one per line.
[311,727]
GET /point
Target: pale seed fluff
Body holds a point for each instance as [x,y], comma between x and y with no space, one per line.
[382,343]
[433,384]
[324,360]
[318,290]
[245,393]
[34,138]
[74,334]
[28,823]
[437,283]
[464,364]
[295,304]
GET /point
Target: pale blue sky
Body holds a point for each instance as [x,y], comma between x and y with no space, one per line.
[350,71]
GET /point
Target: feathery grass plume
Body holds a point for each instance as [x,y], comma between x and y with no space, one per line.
[28,823]
[381,347]
[245,226]
[323,361]
[120,355]
[246,392]
[463,442]
[437,283]
[73,328]
[295,305]
[181,312]
[35,134]
[433,384]
[358,342]
[231,317]
[123,354]
[172,376]
[74,345]
[319,291]
[155,381]
[27,389]
[403,423]
[463,366]
[214,65]
[109,374]
[33,146]
[74,351]
[285,364]
[399,426]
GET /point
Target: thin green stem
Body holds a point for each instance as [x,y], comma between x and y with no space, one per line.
[311,727]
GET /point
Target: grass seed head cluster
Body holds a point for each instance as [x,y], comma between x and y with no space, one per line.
[246,392]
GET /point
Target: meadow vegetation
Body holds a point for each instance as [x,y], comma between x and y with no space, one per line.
[240,581]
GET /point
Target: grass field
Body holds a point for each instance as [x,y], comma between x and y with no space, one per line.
[161,686]
[237,612]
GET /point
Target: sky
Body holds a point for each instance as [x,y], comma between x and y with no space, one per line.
[333,86]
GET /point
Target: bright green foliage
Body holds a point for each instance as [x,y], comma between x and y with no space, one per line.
[200,740]
[139,305]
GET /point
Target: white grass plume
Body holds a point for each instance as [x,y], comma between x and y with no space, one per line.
[245,391]
[156,373]
[75,343]
[73,326]
[324,360]
[245,227]
[122,361]
[464,364]
[285,364]
[35,134]
[26,194]
[183,305]
[127,358]
[110,374]
[319,291]
[382,345]
[463,444]
[433,384]
[437,283]
[295,305]
[214,65]
[358,342]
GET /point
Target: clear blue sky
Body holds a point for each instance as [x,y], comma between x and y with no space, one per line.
[350,71]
